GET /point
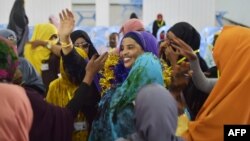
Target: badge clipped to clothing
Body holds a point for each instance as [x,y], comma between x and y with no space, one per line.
[45,67]
[81,125]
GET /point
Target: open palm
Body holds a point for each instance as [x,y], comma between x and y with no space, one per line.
[182,48]
[67,24]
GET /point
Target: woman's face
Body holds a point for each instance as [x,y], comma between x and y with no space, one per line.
[82,43]
[130,50]
[169,37]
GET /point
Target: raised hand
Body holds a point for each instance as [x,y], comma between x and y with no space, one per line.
[67,24]
[169,53]
[94,65]
[183,48]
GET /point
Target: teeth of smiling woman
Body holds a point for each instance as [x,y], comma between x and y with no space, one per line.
[126,59]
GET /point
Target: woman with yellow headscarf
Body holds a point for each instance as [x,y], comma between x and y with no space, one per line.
[38,51]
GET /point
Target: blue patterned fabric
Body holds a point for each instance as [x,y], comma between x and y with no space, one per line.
[116,109]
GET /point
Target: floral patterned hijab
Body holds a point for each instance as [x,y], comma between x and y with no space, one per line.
[8,60]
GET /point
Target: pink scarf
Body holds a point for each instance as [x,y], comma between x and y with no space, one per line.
[15,113]
[132,25]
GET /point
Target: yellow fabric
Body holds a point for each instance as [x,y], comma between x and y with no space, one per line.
[61,91]
[184,58]
[36,55]
[228,103]
[182,124]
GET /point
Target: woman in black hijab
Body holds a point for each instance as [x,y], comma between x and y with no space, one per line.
[189,34]
[84,43]
[74,66]
[194,98]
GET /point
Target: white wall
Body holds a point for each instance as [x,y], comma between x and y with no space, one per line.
[199,13]
[38,11]
[237,10]
[6,6]
[102,12]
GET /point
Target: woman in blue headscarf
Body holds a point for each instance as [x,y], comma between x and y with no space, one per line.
[115,117]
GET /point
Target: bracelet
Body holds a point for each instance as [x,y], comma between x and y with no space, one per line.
[65,45]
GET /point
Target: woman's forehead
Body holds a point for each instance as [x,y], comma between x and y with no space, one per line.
[80,39]
[128,40]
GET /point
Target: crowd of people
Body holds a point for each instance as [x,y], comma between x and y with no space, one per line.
[58,88]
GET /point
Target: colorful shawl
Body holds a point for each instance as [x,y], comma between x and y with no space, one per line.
[8,60]
[116,109]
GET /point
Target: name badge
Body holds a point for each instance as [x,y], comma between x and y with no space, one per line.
[79,126]
[45,67]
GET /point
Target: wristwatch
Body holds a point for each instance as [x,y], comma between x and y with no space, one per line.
[48,45]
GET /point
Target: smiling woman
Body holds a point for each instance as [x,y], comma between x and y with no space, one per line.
[130,50]
[115,116]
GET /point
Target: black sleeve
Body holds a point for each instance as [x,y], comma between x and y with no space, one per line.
[86,97]
[18,14]
[50,122]
[155,28]
[20,19]
[74,66]
[80,99]
[86,100]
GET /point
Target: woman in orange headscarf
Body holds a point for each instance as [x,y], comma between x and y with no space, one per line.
[230,92]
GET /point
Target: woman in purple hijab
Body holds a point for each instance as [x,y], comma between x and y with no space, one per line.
[115,117]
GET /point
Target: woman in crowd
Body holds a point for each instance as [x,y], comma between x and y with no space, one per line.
[231,87]
[38,52]
[29,75]
[81,39]
[155,115]
[72,70]
[115,116]
[132,25]
[50,123]
[157,24]
[194,97]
